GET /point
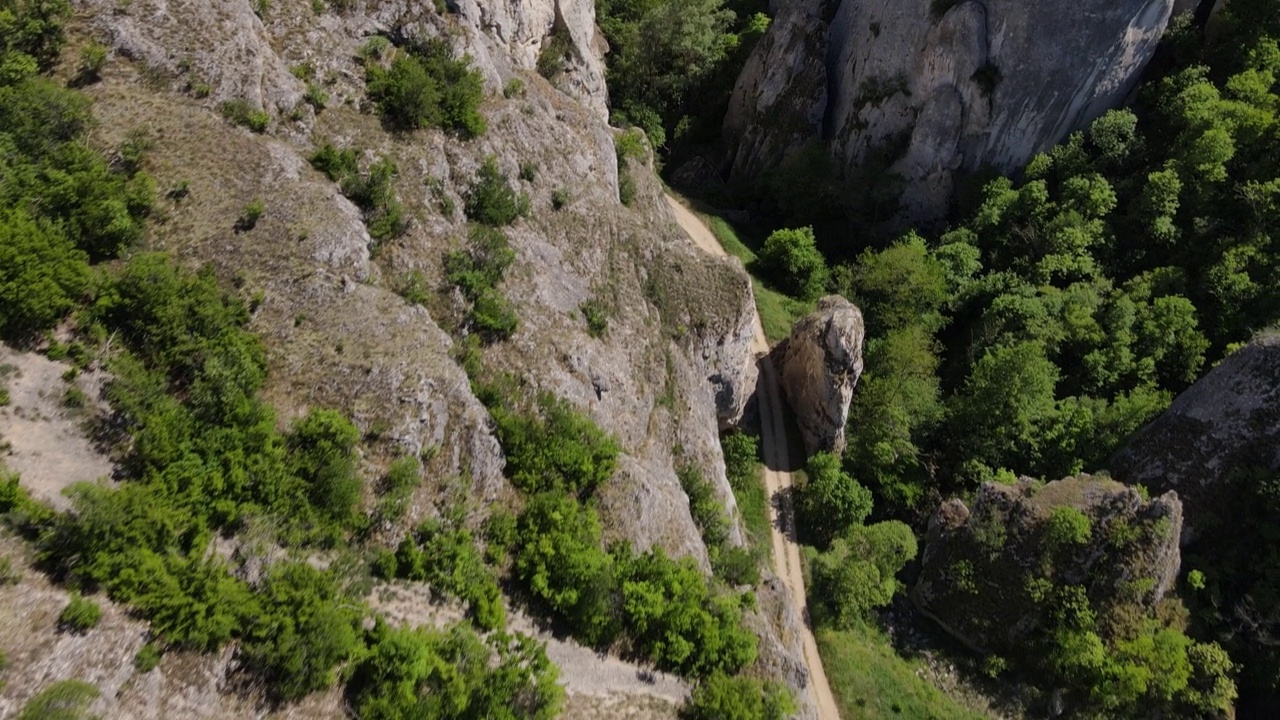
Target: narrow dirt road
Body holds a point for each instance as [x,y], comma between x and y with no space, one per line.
[777,475]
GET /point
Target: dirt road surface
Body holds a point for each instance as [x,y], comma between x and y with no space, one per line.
[777,461]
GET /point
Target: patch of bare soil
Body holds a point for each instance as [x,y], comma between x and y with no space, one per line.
[40,428]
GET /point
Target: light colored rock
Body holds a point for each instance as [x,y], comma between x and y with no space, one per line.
[869,77]
[977,562]
[819,366]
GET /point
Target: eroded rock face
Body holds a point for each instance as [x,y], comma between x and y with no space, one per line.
[818,367]
[984,82]
[1226,422]
[978,562]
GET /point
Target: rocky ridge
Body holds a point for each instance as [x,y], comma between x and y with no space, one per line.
[929,89]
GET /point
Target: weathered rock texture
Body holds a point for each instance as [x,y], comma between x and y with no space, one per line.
[934,87]
[1227,422]
[819,366]
[977,562]
[673,366]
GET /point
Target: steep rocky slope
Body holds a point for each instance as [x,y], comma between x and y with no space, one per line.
[674,365]
[931,88]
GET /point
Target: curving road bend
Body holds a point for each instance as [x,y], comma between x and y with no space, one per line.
[773,441]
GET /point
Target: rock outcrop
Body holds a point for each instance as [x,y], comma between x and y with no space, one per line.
[1227,422]
[818,367]
[931,88]
[978,563]
[673,366]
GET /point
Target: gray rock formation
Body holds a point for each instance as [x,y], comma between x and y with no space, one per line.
[673,367]
[978,561]
[818,367]
[935,87]
[1228,421]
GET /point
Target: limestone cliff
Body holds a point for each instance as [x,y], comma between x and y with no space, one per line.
[673,365]
[1226,422]
[935,87]
[978,563]
[818,368]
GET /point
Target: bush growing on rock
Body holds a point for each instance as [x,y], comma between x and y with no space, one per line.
[80,614]
[63,700]
[425,86]
[492,200]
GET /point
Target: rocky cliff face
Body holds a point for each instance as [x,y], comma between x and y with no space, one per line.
[673,366]
[1226,422]
[818,368]
[977,561]
[932,88]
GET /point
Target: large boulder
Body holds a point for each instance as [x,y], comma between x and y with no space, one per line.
[979,563]
[931,88]
[818,367]
[1227,422]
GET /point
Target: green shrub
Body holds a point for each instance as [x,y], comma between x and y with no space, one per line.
[453,673]
[447,559]
[560,198]
[302,631]
[528,171]
[4,397]
[493,316]
[92,59]
[413,288]
[593,311]
[9,575]
[791,257]
[513,88]
[316,96]
[80,615]
[1067,527]
[722,697]
[708,515]
[555,52]
[147,658]
[63,700]
[250,216]
[242,113]
[556,448]
[491,200]
[629,147]
[323,455]
[426,87]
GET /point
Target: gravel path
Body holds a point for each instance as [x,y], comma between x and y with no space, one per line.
[777,476]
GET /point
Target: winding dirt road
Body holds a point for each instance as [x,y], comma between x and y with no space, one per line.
[777,475]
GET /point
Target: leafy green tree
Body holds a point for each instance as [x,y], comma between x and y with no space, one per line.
[858,573]
[425,86]
[1007,401]
[900,286]
[829,501]
[559,558]
[792,258]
